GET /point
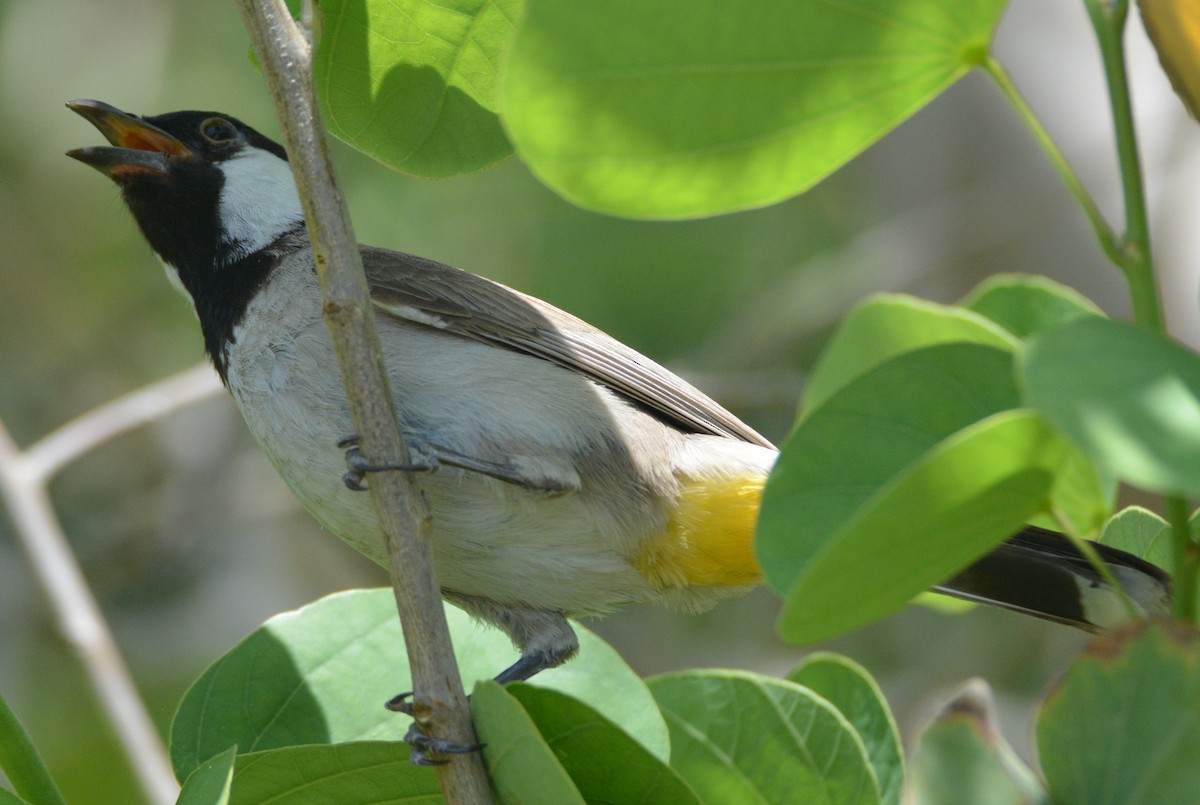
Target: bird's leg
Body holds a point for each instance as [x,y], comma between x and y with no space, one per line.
[428,457]
[546,641]
[359,466]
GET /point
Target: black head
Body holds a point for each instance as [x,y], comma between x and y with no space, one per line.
[210,194]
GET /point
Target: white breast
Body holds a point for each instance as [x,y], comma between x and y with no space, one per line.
[492,539]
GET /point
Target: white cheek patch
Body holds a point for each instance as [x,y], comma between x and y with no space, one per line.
[259,202]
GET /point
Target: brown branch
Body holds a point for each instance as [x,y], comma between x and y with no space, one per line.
[439,701]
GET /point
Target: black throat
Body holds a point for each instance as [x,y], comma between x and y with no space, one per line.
[223,292]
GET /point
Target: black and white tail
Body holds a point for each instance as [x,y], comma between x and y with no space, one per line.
[1041,573]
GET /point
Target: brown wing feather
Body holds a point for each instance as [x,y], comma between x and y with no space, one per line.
[426,292]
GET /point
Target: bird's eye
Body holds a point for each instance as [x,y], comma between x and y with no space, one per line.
[218,130]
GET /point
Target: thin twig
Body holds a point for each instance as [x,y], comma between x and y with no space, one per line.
[439,701]
[48,455]
[80,621]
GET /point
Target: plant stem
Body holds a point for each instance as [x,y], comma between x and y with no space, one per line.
[1187,558]
[1134,257]
[1136,260]
[439,702]
[1108,239]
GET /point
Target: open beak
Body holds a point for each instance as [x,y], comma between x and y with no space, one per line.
[140,148]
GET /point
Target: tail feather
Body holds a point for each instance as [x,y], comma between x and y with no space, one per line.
[1041,573]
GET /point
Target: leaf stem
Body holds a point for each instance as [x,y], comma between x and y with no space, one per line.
[1108,239]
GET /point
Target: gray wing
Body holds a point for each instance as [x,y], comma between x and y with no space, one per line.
[436,295]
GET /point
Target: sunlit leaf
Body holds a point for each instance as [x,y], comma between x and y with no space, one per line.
[414,83]
[352,773]
[678,108]
[1129,398]
[888,325]
[520,765]
[740,737]
[856,695]
[961,499]
[603,762]
[321,674]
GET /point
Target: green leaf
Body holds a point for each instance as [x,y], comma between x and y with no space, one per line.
[848,687]
[211,783]
[1138,531]
[605,764]
[740,737]
[21,763]
[962,757]
[962,499]
[888,325]
[1123,726]
[679,108]
[414,83]
[9,798]
[1081,500]
[355,773]
[1129,398]
[1025,304]
[867,434]
[321,674]
[522,768]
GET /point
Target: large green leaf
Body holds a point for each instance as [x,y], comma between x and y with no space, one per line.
[1129,398]
[962,499]
[355,773]
[522,767]
[740,737]
[211,783]
[888,325]
[848,687]
[1123,726]
[321,674]
[414,83]
[962,757]
[605,764]
[866,435]
[678,108]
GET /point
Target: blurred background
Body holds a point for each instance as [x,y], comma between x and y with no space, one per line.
[190,540]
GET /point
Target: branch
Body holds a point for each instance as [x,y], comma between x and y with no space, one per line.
[55,450]
[439,702]
[82,625]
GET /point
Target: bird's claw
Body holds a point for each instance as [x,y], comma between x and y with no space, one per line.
[359,466]
[426,747]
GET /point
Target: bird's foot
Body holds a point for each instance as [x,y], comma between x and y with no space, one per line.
[426,748]
[359,466]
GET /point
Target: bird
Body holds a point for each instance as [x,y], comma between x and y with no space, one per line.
[567,474]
